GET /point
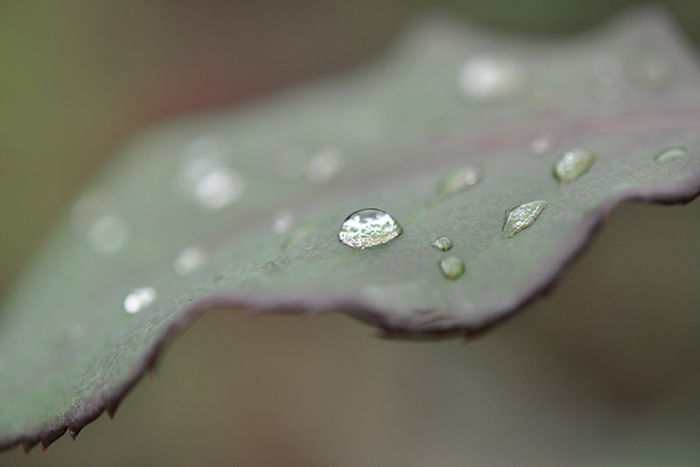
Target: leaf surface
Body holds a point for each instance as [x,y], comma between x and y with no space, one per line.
[456,134]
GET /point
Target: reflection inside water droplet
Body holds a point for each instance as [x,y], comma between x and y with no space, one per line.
[443,243]
[367,228]
[458,180]
[325,165]
[491,78]
[572,164]
[670,154]
[521,217]
[138,299]
[452,267]
[189,259]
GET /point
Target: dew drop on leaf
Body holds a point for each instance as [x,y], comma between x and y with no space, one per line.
[669,154]
[138,299]
[325,165]
[367,228]
[458,180]
[487,78]
[543,144]
[218,188]
[189,259]
[108,234]
[572,164]
[523,216]
[283,223]
[452,267]
[443,243]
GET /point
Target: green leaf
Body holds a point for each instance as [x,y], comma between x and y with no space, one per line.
[458,134]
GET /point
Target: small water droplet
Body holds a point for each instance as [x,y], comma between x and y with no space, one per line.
[669,154]
[458,180]
[491,78]
[452,267]
[206,178]
[367,228]
[325,165]
[443,243]
[521,217]
[108,234]
[189,259]
[572,164]
[543,144]
[219,188]
[138,299]
[283,223]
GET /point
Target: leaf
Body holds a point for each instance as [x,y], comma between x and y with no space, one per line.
[457,134]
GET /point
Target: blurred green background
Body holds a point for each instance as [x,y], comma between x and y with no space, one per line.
[606,372]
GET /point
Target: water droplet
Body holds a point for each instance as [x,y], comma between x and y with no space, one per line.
[543,144]
[325,165]
[669,154]
[521,217]
[206,178]
[367,228]
[458,180]
[283,223]
[138,299]
[443,243]
[219,188]
[189,259]
[108,234]
[491,78]
[452,267]
[572,164]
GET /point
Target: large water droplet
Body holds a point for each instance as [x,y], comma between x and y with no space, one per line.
[458,180]
[669,154]
[367,228]
[138,299]
[325,165]
[491,78]
[572,164]
[452,267]
[521,217]
[189,259]
[443,243]
[108,234]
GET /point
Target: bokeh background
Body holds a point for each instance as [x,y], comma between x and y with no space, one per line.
[605,372]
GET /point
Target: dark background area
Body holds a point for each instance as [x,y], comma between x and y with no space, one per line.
[604,372]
